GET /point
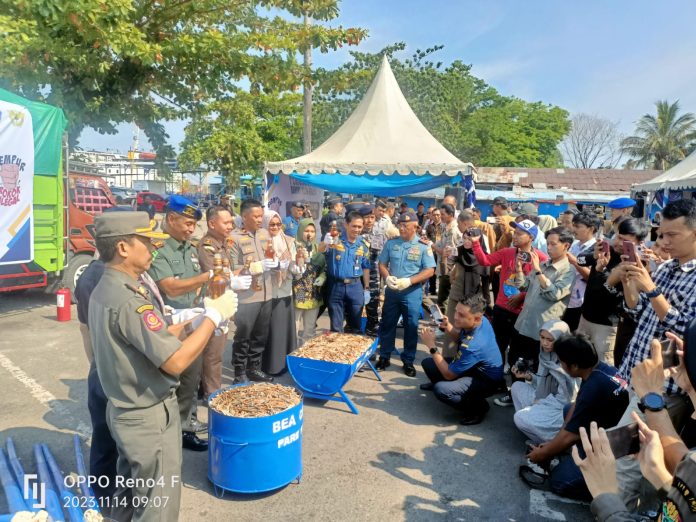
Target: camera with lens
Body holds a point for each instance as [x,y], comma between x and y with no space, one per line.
[523,365]
[474,232]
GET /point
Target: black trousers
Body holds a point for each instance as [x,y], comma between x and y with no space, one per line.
[443,290]
[253,323]
[103,453]
[503,327]
[467,393]
[433,280]
[572,317]
[372,308]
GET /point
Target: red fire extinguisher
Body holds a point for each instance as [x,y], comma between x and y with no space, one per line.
[63,304]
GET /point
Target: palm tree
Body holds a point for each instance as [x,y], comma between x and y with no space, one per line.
[662,141]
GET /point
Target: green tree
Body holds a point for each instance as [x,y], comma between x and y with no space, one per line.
[143,61]
[465,114]
[662,140]
[238,133]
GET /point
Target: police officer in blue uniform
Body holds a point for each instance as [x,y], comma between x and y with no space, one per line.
[292,221]
[404,264]
[348,268]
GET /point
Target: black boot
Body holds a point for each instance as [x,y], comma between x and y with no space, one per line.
[259,376]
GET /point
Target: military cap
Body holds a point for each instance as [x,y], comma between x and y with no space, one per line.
[184,206]
[622,203]
[332,201]
[366,209]
[113,224]
[408,217]
[297,204]
[353,206]
[404,204]
[381,204]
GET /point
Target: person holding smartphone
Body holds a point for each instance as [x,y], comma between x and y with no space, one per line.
[474,373]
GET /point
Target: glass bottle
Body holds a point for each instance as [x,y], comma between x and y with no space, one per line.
[333,232]
[226,268]
[218,284]
[255,279]
[269,253]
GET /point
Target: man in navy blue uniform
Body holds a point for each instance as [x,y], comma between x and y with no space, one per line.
[348,268]
[405,263]
[475,372]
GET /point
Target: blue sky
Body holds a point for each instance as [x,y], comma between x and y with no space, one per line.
[613,58]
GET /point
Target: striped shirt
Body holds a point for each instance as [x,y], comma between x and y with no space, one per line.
[678,285]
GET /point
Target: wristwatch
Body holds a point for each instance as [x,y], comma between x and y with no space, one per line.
[654,293]
[651,401]
[433,350]
[537,272]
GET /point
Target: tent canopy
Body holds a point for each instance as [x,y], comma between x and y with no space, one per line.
[49,123]
[381,148]
[681,176]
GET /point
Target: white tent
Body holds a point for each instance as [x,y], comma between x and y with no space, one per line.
[381,138]
[680,177]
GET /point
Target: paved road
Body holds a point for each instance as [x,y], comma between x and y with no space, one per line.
[403,458]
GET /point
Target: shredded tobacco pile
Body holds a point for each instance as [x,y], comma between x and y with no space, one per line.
[255,400]
[335,347]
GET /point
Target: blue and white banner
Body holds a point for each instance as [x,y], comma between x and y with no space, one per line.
[16,184]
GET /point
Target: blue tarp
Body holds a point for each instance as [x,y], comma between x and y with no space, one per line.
[380,185]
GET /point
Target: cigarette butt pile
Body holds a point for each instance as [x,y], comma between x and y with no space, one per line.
[335,347]
[255,400]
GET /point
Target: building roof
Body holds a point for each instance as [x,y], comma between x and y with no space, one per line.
[608,180]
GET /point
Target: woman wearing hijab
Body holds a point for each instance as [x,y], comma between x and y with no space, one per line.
[282,338]
[540,398]
[307,287]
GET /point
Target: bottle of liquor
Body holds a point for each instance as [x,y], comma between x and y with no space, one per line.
[333,232]
[219,283]
[226,268]
[269,253]
[255,279]
[301,257]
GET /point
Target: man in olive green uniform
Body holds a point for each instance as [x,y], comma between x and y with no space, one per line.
[177,272]
[253,319]
[138,360]
[220,225]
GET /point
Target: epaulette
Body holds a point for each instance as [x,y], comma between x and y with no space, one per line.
[194,242]
[207,241]
[424,240]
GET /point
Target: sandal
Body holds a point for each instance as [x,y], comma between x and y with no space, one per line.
[532,478]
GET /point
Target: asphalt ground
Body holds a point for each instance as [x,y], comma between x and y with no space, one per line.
[404,457]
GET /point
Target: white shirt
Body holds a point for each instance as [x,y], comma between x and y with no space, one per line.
[577,294]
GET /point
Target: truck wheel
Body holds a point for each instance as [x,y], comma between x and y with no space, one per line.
[74,270]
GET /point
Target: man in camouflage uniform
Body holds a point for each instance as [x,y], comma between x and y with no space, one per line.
[375,239]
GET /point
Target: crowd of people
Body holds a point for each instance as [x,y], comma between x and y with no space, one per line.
[553,317]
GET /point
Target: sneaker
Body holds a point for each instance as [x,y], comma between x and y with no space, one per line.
[505,400]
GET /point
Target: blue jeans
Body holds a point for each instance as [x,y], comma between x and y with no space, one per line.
[566,479]
[345,303]
[467,393]
[407,304]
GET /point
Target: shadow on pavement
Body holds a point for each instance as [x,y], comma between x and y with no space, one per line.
[12,303]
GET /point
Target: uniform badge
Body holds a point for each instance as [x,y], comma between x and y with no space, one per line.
[152,322]
[144,308]
[338,257]
[429,252]
[194,260]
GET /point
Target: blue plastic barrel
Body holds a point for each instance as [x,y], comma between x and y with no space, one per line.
[254,454]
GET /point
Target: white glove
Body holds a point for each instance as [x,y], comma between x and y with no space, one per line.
[269,264]
[284,264]
[328,239]
[256,268]
[240,282]
[366,297]
[391,282]
[403,283]
[220,309]
[185,314]
[320,280]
